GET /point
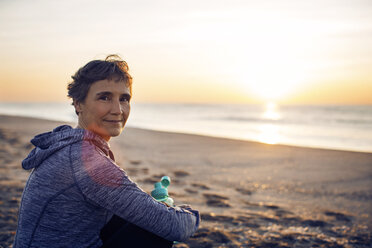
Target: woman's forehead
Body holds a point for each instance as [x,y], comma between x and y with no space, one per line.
[107,85]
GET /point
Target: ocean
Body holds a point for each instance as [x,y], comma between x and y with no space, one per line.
[321,126]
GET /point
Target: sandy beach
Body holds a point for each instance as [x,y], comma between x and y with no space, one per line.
[249,194]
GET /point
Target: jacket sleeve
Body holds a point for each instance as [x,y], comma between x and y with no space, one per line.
[107,185]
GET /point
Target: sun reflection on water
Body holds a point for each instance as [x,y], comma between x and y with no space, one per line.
[271,111]
[269,133]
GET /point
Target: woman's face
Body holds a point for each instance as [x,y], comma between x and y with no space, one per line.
[105,109]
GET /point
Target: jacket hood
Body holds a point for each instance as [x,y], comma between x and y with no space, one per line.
[48,143]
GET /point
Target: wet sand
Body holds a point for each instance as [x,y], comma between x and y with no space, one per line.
[249,194]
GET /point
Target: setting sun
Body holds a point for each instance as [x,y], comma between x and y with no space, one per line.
[272,76]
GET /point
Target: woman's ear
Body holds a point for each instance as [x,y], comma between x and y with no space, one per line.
[77,106]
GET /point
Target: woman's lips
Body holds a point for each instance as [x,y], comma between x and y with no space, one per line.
[114,121]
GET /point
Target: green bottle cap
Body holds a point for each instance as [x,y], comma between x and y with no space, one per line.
[165,181]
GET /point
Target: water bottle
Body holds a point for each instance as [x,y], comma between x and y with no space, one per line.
[160,192]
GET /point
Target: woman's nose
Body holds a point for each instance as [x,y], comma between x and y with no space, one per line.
[116,107]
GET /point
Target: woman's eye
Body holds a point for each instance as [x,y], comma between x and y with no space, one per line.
[124,99]
[104,98]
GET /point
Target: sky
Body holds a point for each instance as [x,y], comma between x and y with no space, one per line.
[195,51]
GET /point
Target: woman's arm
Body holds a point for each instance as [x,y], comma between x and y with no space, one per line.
[104,183]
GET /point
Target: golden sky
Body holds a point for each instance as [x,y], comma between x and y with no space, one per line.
[289,51]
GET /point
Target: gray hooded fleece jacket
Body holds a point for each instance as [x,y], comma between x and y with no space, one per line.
[74,189]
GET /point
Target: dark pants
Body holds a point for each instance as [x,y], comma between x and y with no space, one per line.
[120,233]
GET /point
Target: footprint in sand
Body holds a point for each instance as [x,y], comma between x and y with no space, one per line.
[314,223]
[273,207]
[215,200]
[338,216]
[217,218]
[282,212]
[181,173]
[200,186]
[191,191]
[244,191]
[152,179]
[135,162]
[196,187]
[205,237]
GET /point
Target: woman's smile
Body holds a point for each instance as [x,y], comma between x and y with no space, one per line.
[114,121]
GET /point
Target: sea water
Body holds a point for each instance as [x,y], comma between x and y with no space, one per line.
[323,126]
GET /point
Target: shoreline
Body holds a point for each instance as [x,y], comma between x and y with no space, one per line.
[251,141]
[192,134]
[249,194]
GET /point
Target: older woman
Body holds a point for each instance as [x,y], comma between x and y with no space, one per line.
[75,186]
